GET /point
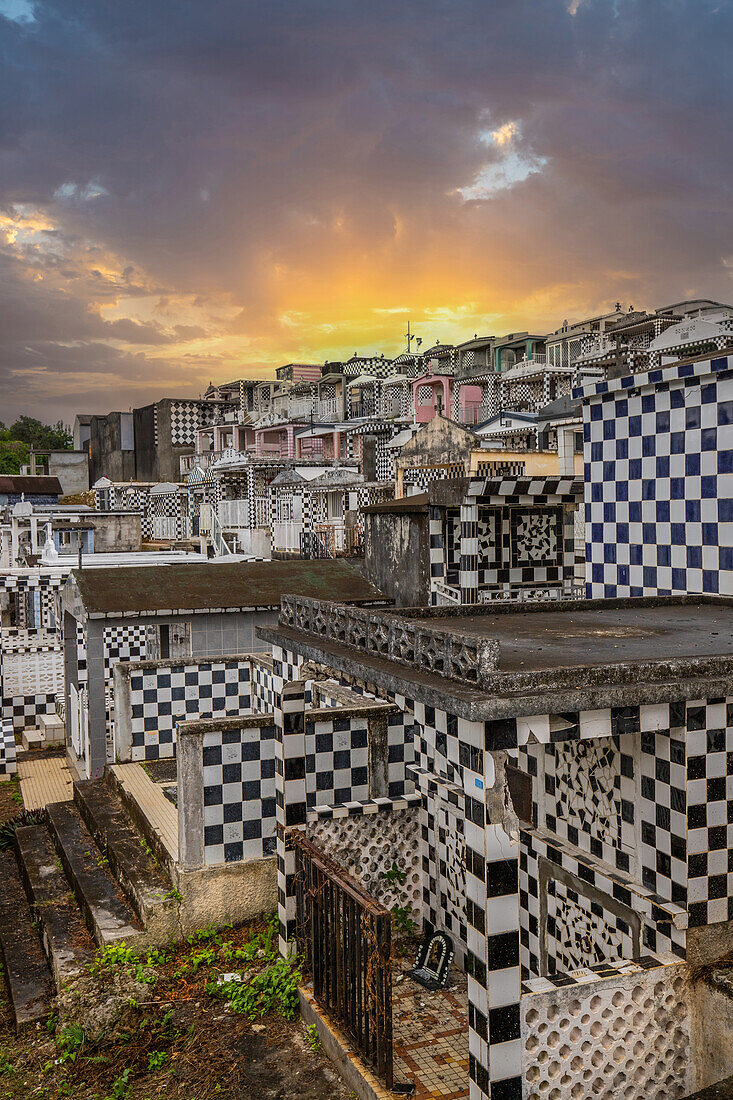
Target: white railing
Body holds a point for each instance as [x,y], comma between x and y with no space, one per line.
[221,547]
[279,447]
[286,536]
[166,527]
[536,365]
[262,512]
[326,410]
[234,513]
[390,406]
[300,407]
[446,593]
[471,413]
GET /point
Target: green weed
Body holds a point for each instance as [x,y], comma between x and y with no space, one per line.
[69,1041]
[314,1039]
[273,989]
[402,918]
[395,874]
[156,1060]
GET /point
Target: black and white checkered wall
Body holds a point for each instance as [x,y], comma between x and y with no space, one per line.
[262,687]
[163,695]
[659,481]
[336,760]
[239,794]
[23,711]
[8,763]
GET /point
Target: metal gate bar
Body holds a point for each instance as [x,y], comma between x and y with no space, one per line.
[345,937]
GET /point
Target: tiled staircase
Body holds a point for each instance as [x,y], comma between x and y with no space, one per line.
[84,880]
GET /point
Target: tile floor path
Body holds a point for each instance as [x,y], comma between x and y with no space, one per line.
[430,1033]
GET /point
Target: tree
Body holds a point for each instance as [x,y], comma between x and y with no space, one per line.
[42,437]
[17,440]
[13,452]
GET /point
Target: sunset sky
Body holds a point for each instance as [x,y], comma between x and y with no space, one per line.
[204,189]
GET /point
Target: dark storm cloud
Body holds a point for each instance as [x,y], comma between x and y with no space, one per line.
[244,160]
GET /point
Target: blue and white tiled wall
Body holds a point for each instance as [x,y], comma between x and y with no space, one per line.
[659,481]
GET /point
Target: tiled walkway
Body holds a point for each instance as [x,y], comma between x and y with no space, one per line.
[44,780]
[431,1036]
[160,813]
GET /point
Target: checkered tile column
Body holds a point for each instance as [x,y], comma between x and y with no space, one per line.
[709,742]
[437,549]
[251,497]
[468,576]
[290,794]
[492,961]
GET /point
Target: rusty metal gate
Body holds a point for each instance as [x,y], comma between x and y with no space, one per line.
[345,937]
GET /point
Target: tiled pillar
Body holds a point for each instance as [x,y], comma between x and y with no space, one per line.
[290,798]
[290,441]
[251,496]
[437,547]
[492,903]
[469,553]
[566,452]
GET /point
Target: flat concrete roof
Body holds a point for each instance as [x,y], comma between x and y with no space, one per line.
[533,639]
[570,656]
[201,586]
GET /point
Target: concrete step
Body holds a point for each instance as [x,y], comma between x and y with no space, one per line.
[107,912]
[31,739]
[131,860]
[68,945]
[27,974]
[52,728]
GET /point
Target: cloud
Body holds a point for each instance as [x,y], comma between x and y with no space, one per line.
[192,191]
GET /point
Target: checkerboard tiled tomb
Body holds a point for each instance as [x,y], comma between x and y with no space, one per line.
[157,695]
[582,851]
[226,790]
[507,533]
[659,481]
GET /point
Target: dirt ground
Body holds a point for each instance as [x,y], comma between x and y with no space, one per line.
[10,801]
[180,1040]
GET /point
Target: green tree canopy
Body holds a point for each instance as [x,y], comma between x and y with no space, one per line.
[42,437]
[27,432]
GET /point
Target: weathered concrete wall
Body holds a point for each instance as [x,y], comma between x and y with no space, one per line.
[234,892]
[157,459]
[107,457]
[397,555]
[114,533]
[440,441]
[712,1027]
[146,461]
[72,470]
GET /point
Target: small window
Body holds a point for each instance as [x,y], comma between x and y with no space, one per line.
[165,642]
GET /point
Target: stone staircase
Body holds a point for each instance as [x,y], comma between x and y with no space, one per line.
[84,880]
